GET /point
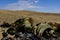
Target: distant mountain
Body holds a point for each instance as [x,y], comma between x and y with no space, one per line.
[11,16]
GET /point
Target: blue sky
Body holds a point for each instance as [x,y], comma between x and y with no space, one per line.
[33,5]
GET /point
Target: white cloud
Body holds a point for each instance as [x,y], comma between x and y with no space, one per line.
[22,5]
[36,1]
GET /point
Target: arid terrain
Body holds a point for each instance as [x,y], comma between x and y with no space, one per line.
[11,16]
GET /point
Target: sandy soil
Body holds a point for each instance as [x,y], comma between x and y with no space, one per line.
[11,16]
